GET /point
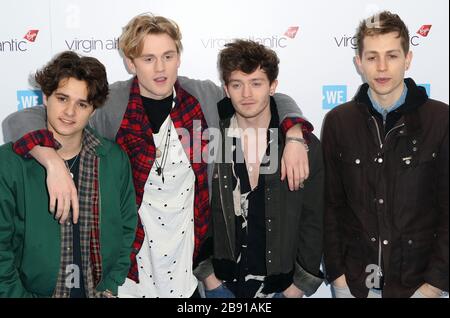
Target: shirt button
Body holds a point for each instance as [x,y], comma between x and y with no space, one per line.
[269,220]
[373,239]
[380,160]
[224,177]
[270,261]
[415,149]
[385,242]
[414,142]
[357,161]
[68,248]
[408,162]
[381,201]
[410,242]
[401,131]
[270,252]
[68,223]
[434,155]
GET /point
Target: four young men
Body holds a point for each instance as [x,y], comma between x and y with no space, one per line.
[385,221]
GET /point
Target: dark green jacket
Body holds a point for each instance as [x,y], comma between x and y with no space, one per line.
[30,237]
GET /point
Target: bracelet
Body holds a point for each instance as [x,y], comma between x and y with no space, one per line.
[299,140]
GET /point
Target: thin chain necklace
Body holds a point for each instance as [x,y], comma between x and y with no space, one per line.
[73,164]
[164,155]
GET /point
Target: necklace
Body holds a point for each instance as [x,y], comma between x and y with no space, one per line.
[164,154]
[71,166]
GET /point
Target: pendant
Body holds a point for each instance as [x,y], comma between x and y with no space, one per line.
[158,153]
[71,174]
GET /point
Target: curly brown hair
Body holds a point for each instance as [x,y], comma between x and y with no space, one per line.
[382,23]
[69,64]
[247,56]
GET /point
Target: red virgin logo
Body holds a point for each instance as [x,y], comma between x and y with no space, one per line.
[424,30]
[31,35]
[292,32]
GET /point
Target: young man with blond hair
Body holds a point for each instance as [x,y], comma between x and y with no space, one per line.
[147,116]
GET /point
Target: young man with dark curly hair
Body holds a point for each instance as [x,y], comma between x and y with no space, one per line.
[39,256]
[267,240]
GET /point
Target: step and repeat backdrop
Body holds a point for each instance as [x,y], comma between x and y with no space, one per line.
[314,40]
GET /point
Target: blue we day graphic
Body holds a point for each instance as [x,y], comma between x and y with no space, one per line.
[333,95]
[28,98]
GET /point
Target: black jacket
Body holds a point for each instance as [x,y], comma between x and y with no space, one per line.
[294,219]
[387,191]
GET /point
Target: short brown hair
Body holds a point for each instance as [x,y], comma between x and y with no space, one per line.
[131,41]
[382,23]
[69,64]
[247,56]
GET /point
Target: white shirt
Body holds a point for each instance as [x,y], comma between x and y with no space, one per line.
[167,215]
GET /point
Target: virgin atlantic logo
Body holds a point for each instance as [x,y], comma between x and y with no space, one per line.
[31,35]
[273,41]
[424,30]
[292,32]
[14,44]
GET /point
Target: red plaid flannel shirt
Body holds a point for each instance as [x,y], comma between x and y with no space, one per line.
[288,123]
[135,136]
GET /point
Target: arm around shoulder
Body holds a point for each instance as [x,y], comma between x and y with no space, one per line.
[20,123]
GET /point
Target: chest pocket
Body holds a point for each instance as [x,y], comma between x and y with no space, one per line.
[354,166]
[417,176]
[418,158]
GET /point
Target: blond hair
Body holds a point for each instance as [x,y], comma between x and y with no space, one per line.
[131,41]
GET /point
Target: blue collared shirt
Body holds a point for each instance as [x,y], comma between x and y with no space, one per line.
[384,111]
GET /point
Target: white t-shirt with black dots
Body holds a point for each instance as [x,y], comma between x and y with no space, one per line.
[167,214]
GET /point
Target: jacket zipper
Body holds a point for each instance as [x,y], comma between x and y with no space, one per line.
[380,271]
[223,211]
[379,134]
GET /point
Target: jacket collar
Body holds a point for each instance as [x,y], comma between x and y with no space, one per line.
[415,98]
[93,143]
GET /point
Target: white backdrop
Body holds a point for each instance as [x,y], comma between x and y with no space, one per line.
[312,38]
